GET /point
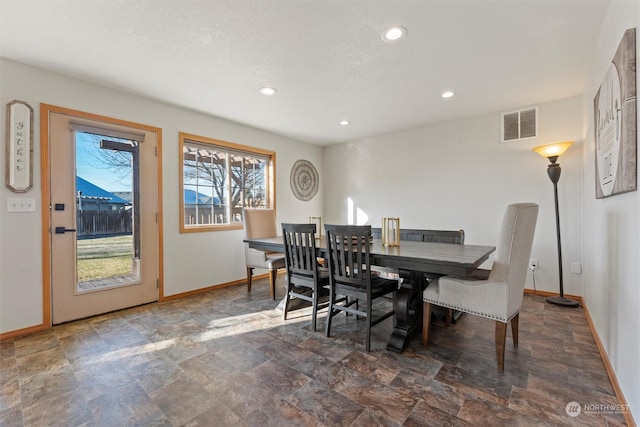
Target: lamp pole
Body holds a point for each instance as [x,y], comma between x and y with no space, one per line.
[552,152]
[553,170]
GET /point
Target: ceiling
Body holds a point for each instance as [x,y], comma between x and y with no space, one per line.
[325,58]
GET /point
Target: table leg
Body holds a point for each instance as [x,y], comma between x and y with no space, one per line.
[407,304]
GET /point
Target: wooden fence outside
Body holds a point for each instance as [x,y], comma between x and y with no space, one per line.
[103,223]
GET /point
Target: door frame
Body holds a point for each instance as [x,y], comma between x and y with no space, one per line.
[45,183]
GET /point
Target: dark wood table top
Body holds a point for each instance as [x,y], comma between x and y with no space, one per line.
[428,257]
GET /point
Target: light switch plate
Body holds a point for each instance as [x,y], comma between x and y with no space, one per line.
[21,205]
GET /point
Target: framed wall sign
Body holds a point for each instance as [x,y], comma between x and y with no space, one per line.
[19,168]
[615,107]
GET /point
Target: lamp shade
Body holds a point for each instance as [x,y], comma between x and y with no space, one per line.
[553,150]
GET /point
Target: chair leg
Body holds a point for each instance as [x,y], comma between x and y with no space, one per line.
[426,321]
[369,315]
[273,274]
[314,308]
[449,317]
[287,298]
[249,278]
[330,313]
[514,329]
[501,337]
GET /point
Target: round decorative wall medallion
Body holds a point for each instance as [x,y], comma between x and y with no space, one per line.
[304,180]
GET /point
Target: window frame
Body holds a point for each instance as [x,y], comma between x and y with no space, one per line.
[189,139]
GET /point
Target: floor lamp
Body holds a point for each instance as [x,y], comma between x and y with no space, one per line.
[552,152]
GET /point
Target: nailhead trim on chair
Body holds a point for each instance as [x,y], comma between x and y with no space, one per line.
[476,313]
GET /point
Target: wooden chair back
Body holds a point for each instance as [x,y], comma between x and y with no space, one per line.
[300,252]
[349,249]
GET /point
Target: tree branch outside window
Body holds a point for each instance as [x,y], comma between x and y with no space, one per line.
[219,179]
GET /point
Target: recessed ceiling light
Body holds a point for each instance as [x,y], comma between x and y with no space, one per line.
[267,91]
[447,94]
[344,122]
[394,33]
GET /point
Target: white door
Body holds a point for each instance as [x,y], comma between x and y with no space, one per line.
[103,216]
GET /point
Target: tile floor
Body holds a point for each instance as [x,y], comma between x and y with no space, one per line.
[226,358]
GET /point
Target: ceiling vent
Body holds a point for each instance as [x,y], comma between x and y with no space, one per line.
[519,125]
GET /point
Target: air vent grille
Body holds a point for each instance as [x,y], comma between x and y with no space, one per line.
[519,125]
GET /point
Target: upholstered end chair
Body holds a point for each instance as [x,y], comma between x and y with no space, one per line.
[499,296]
[259,223]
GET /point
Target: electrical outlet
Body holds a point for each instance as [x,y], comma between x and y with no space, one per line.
[533,263]
[576,268]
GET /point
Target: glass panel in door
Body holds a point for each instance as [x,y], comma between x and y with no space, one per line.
[107,173]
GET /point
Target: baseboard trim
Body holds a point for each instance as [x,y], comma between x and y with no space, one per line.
[21,332]
[610,372]
[210,288]
[552,294]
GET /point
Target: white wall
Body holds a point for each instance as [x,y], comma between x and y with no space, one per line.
[191,261]
[612,229]
[456,175]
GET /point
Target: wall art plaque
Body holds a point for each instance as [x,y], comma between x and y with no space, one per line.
[615,106]
[304,180]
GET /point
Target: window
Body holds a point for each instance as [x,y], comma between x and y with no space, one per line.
[218,179]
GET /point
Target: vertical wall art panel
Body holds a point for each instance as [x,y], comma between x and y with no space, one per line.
[615,106]
[19,169]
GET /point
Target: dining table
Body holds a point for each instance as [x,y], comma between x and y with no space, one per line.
[411,260]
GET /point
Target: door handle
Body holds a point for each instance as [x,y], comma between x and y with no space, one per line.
[62,230]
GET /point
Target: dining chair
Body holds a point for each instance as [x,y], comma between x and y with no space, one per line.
[348,248]
[499,296]
[259,223]
[305,278]
[443,236]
